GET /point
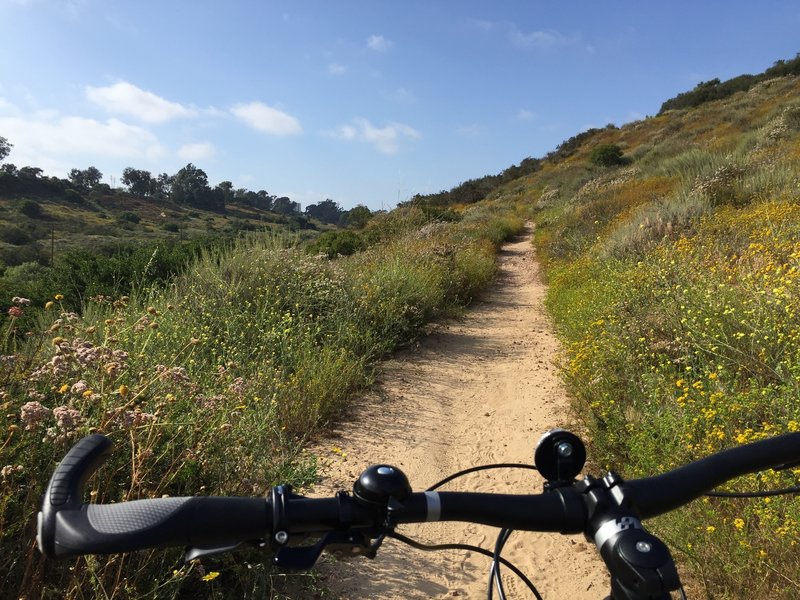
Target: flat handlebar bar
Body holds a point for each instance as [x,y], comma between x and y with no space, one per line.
[607,511]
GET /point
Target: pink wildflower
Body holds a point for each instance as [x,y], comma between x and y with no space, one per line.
[67,418]
[79,387]
[32,414]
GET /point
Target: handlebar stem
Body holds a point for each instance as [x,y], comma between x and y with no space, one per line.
[640,564]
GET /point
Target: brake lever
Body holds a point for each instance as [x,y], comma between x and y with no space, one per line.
[342,544]
[198,553]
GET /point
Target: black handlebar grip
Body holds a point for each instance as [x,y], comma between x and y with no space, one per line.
[67,527]
[65,490]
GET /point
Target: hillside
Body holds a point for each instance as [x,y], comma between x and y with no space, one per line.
[674,274]
[36,223]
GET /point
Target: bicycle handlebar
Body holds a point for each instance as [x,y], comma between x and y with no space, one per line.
[606,510]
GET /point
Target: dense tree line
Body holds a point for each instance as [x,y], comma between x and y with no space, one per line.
[473,190]
[707,91]
[188,187]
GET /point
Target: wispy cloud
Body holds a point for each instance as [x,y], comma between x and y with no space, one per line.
[267,119]
[336,69]
[470,131]
[538,39]
[525,115]
[378,43]
[401,96]
[197,151]
[127,99]
[384,139]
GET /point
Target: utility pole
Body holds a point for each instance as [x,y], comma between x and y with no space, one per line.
[52,244]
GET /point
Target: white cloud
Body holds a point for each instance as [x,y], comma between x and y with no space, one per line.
[540,39]
[336,69]
[126,98]
[525,115]
[378,43]
[197,151]
[385,139]
[56,143]
[401,96]
[267,119]
[470,131]
[536,39]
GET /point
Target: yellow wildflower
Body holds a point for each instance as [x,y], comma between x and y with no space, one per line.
[211,576]
[48,305]
[59,297]
[63,389]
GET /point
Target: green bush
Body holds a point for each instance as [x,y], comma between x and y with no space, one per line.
[607,155]
[129,217]
[31,209]
[73,196]
[337,243]
[14,235]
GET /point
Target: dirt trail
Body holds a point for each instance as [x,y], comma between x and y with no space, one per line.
[477,391]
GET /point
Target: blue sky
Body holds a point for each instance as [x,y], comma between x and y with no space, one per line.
[361,102]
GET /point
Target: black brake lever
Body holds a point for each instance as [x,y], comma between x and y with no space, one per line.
[342,544]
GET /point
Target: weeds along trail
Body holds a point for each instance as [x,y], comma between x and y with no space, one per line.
[476,391]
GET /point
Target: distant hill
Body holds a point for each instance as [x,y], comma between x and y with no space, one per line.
[42,216]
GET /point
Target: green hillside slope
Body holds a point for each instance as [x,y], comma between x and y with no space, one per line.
[675,283]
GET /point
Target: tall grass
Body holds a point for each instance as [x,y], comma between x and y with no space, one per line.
[211,384]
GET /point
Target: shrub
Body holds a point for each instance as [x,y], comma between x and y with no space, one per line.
[73,196]
[607,155]
[333,243]
[31,209]
[129,217]
[14,235]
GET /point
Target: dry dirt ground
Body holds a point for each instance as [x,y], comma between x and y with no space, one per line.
[476,391]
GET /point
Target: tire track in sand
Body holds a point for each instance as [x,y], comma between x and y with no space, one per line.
[479,390]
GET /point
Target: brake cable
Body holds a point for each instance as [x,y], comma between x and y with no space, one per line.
[785,491]
[497,559]
[494,572]
[431,548]
[450,478]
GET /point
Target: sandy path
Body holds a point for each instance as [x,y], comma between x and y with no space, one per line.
[477,391]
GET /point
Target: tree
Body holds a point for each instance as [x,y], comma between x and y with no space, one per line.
[225,189]
[163,186]
[285,206]
[85,180]
[326,211]
[5,147]
[357,217]
[190,186]
[140,183]
[30,172]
